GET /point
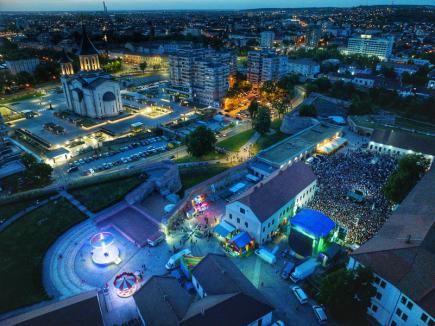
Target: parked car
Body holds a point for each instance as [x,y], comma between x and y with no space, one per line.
[300,294]
[320,313]
[72,169]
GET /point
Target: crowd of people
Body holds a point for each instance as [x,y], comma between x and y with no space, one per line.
[357,172]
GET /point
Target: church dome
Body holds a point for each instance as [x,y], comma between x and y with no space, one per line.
[108,97]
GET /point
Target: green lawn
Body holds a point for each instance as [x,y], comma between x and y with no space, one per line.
[9,209]
[102,195]
[195,175]
[23,97]
[24,244]
[266,141]
[414,124]
[208,157]
[234,143]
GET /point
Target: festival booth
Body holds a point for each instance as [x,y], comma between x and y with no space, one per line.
[310,233]
[125,284]
[240,244]
[224,230]
[331,146]
[199,205]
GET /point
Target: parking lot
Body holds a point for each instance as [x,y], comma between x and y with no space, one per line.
[129,153]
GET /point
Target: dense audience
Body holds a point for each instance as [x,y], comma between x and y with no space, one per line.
[353,171]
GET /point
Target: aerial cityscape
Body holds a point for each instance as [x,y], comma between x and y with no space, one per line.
[219,163]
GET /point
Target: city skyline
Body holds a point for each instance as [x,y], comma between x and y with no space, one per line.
[93,5]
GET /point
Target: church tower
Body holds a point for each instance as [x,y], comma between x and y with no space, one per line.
[66,67]
[88,54]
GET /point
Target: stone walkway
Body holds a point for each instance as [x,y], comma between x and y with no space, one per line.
[76,203]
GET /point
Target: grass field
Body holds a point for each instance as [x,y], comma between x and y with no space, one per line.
[7,210]
[99,196]
[414,124]
[234,143]
[23,97]
[208,157]
[195,175]
[24,244]
[266,141]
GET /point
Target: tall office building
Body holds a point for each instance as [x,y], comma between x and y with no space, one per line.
[313,37]
[201,74]
[266,39]
[370,46]
[266,65]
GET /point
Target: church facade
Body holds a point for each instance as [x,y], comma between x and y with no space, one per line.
[91,92]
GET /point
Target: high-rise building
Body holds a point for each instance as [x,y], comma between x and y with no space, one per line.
[265,65]
[201,74]
[266,39]
[313,37]
[370,46]
[91,92]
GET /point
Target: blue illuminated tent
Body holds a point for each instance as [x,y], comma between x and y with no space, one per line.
[241,240]
[313,222]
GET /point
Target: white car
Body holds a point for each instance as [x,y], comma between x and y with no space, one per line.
[300,294]
[278,323]
[320,313]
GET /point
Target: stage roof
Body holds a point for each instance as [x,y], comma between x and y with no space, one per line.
[313,222]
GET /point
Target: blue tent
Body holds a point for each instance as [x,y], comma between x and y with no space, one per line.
[242,239]
[313,222]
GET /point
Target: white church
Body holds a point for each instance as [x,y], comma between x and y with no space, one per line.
[91,92]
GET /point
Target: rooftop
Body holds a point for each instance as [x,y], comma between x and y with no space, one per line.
[405,140]
[285,151]
[407,242]
[278,190]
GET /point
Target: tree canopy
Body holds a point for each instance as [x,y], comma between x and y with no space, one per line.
[404,178]
[262,120]
[308,110]
[347,293]
[201,141]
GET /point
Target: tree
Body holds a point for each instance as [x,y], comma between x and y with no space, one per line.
[253,109]
[201,141]
[388,72]
[404,178]
[347,293]
[262,120]
[360,106]
[143,66]
[308,110]
[281,106]
[36,174]
[24,78]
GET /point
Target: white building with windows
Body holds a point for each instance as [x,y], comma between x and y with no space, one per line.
[402,258]
[396,142]
[24,65]
[201,74]
[370,46]
[91,92]
[304,67]
[266,65]
[266,39]
[268,205]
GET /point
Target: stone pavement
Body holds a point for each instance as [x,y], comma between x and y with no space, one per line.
[76,203]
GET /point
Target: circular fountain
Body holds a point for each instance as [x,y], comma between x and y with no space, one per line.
[104,252]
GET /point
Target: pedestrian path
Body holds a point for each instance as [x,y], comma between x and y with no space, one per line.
[76,203]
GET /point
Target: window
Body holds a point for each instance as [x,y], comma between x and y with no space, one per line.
[423,317]
[404,317]
[246,224]
[273,221]
[403,300]
[383,284]
[238,220]
[378,296]
[268,225]
[398,312]
[242,210]
[393,323]
[264,228]
[409,305]
[374,308]
[231,216]
[377,280]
